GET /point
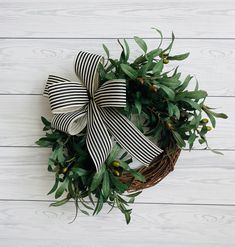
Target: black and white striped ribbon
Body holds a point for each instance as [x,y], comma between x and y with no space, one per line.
[85,103]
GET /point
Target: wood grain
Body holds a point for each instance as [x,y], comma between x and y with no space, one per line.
[102,18]
[20,123]
[34,224]
[199,177]
[25,64]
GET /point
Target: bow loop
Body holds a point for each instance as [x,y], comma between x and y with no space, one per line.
[52,79]
[67,96]
[111,94]
[72,123]
[86,69]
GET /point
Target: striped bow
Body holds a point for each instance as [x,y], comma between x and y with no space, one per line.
[85,103]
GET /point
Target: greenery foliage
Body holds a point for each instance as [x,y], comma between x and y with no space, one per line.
[166,110]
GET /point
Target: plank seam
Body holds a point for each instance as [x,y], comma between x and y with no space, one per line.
[110,38]
[39,94]
[196,149]
[140,203]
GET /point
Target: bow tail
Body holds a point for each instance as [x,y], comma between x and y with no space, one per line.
[98,140]
[129,137]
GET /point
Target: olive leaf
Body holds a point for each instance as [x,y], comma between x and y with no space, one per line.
[179,57]
[141,43]
[128,70]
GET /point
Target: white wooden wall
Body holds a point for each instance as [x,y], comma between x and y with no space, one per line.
[195,205]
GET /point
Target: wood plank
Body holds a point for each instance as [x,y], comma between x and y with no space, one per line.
[211,61]
[199,177]
[101,18]
[34,224]
[20,118]
[20,123]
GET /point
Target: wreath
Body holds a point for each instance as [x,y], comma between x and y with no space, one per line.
[120,127]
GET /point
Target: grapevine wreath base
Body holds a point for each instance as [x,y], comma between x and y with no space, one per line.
[94,138]
[159,168]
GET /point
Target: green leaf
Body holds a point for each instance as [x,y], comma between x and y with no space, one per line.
[172,82]
[124,165]
[113,154]
[179,57]
[123,55]
[53,136]
[161,36]
[91,199]
[170,93]
[84,212]
[192,104]
[146,67]
[157,69]
[185,83]
[171,44]
[200,94]
[203,131]
[170,109]
[123,155]
[96,181]
[59,203]
[173,110]
[127,216]
[212,119]
[106,50]
[154,53]
[196,86]
[196,120]
[131,200]
[71,189]
[138,103]
[128,70]
[177,111]
[106,185]
[58,154]
[201,141]
[54,186]
[80,171]
[179,139]
[137,175]
[191,140]
[141,43]
[118,184]
[85,204]
[99,204]
[220,115]
[45,121]
[127,49]
[134,194]
[215,151]
[43,142]
[60,191]
[212,115]
[101,70]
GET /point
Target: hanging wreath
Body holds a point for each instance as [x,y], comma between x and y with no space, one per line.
[119,111]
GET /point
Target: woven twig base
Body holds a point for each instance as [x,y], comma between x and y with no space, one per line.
[161,166]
